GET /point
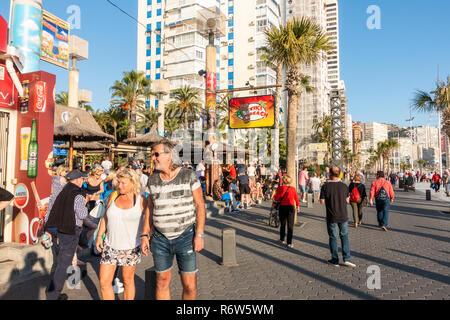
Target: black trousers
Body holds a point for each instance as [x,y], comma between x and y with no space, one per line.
[66,248]
[437,186]
[287,215]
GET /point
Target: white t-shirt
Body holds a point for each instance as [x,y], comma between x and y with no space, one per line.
[144,180]
[315,184]
[251,171]
[106,164]
[200,170]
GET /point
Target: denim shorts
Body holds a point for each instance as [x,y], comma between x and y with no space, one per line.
[302,188]
[182,248]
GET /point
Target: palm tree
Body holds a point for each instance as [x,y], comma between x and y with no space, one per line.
[62,98]
[324,133]
[186,104]
[421,163]
[101,119]
[388,146]
[115,116]
[276,63]
[435,101]
[131,91]
[297,42]
[147,118]
[223,118]
[170,125]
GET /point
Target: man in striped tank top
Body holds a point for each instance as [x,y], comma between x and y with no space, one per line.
[174,225]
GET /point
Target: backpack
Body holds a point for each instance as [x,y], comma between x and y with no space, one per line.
[382,195]
[354,195]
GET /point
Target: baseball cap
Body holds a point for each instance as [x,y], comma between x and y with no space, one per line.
[75,174]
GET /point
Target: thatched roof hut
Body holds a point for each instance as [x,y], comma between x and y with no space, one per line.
[78,124]
[73,124]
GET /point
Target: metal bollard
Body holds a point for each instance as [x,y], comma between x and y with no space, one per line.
[428,194]
[150,284]
[310,200]
[229,247]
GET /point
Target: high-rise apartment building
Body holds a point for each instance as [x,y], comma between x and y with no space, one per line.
[332,17]
[313,106]
[173,45]
[374,132]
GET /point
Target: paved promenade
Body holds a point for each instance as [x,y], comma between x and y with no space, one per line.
[413,258]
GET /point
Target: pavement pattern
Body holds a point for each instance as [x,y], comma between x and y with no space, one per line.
[413,257]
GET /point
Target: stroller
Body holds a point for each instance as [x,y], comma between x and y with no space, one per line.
[274,220]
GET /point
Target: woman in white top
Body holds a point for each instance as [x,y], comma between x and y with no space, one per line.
[122,223]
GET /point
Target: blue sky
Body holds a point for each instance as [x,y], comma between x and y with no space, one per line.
[381,68]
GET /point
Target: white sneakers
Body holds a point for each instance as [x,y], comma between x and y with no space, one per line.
[350,264]
[118,286]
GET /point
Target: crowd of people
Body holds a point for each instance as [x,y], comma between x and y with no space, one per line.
[122,213]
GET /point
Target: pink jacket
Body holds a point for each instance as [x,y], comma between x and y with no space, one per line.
[376,187]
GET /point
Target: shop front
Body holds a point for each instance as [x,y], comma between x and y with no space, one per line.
[26,144]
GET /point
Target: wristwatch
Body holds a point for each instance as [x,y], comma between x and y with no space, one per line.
[200,235]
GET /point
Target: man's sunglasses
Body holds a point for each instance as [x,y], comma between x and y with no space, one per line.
[157,154]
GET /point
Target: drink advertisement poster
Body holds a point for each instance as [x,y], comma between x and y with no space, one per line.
[252,112]
[55,40]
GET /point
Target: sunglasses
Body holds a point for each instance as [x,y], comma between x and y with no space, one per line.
[157,154]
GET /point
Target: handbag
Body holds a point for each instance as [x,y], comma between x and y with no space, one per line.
[99,210]
[276,204]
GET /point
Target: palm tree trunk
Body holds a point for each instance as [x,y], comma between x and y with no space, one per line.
[186,125]
[291,151]
[115,131]
[276,136]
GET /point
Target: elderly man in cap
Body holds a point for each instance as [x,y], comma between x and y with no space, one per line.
[65,216]
[175,222]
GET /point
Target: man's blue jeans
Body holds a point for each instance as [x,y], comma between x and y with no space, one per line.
[336,230]
[383,212]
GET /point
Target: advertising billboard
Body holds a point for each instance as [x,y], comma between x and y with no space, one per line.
[55,40]
[252,112]
[25,33]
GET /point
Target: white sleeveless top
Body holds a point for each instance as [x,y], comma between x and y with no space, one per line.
[124,227]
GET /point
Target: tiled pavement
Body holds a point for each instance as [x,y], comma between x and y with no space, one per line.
[413,257]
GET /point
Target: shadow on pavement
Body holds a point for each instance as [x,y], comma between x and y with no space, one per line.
[381,261]
[432,228]
[444,263]
[40,280]
[331,282]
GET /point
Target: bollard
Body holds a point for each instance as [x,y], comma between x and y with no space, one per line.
[229,247]
[150,284]
[428,195]
[310,200]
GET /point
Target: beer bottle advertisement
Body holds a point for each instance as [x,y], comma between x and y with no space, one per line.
[33,153]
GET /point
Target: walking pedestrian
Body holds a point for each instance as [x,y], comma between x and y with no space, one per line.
[334,194]
[437,181]
[175,222]
[393,179]
[244,186]
[289,206]
[314,184]
[94,186]
[122,224]
[358,197]
[66,217]
[302,181]
[107,165]
[383,193]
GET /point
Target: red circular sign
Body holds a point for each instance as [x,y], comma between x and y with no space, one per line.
[21,196]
